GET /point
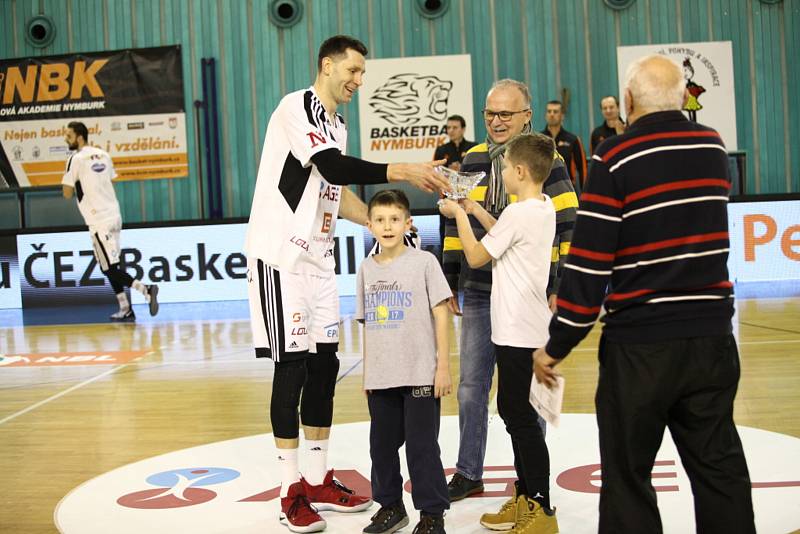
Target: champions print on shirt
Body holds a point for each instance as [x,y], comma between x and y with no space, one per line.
[385,305]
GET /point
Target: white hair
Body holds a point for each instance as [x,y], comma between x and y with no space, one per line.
[519,86]
[656,89]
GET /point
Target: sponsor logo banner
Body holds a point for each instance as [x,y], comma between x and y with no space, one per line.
[765,241]
[70,358]
[190,264]
[708,70]
[9,273]
[404,104]
[205,263]
[131,101]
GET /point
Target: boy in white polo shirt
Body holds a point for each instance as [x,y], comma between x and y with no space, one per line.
[519,246]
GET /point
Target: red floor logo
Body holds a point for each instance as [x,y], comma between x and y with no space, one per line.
[178,488]
[243,488]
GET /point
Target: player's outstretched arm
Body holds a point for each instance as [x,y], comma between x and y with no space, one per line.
[67,191]
[353,208]
[339,169]
[421,175]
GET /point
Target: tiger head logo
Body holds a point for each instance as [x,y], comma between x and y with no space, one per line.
[406,99]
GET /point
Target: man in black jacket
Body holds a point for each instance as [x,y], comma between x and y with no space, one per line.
[454,150]
[567,143]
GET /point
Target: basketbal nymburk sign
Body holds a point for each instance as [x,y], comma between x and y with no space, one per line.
[131,101]
[404,104]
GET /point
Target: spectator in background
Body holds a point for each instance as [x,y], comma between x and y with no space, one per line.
[455,150]
[567,143]
[613,123]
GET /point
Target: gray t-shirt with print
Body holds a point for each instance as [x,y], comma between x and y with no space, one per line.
[394,302]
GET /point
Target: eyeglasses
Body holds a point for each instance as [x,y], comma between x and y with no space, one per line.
[504,116]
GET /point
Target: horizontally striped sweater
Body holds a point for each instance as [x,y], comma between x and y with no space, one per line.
[651,238]
[557,186]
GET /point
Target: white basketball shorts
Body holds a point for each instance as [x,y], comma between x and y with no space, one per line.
[105,241]
[292,314]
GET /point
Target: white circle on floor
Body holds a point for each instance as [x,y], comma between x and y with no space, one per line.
[232,486]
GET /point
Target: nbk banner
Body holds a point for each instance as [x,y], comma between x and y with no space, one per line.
[131,101]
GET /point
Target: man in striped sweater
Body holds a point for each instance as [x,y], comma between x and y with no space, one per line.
[507,114]
[653,227]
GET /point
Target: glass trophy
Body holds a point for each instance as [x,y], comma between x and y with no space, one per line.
[461,182]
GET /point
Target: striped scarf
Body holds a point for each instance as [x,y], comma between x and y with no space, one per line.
[496,198]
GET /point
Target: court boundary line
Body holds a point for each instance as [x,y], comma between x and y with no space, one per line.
[61,394]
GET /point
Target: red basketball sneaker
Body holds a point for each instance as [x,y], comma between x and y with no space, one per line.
[332,495]
[297,512]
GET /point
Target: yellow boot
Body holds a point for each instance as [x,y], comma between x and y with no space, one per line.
[532,519]
[505,518]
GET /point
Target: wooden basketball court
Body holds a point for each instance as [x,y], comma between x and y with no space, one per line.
[78,400]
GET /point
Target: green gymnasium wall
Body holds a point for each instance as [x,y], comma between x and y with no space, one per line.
[550,44]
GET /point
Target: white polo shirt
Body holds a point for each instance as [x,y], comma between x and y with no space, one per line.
[521,245]
[293,217]
[89,172]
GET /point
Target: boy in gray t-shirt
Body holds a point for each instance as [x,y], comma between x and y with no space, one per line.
[402,302]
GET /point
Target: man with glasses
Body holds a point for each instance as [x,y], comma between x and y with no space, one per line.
[507,114]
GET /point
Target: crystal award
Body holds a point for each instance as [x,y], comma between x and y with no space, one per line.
[461,182]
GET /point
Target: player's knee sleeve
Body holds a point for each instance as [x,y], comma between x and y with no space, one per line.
[119,279]
[287,382]
[113,277]
[316,407]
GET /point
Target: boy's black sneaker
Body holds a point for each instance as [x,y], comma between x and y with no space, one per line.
[388,519]
[430,524]
[460,487]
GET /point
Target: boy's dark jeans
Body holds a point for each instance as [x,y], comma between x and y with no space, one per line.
[531,458]
[410,415]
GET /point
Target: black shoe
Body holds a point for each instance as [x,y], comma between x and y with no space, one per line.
[460,487]
[430,524]
[388,519]
[123,316]
[153,292]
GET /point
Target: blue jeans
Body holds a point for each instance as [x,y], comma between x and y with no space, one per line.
[477,369]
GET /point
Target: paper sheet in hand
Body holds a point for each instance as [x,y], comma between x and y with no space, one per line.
[547,402]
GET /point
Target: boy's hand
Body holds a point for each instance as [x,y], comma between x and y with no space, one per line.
[449,208]
[452,305]
[441,383]
[470,206]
